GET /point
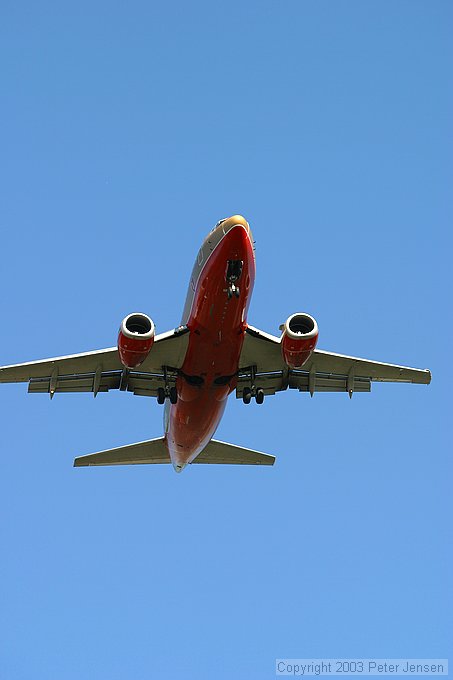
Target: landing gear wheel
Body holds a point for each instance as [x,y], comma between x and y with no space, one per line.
[173,395]
[259,395]
[160,395]
[233,290]
[246,395]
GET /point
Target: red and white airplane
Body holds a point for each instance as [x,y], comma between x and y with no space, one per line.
[214,351]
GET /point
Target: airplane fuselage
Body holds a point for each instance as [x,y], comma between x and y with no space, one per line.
[215,312]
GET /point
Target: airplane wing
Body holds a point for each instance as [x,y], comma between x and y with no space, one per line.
[262,365]
[102,370]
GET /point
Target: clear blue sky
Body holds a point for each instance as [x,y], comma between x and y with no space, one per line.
[127,130]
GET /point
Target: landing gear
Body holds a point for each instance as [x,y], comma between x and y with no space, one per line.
[252,391]
[234,270]
[233,274]
[259,396]
[233,290]
[169,391]
[246,395]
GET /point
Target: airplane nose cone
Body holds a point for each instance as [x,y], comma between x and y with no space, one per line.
[238,242]
[179,467]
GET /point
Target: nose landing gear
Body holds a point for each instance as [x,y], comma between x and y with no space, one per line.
[233,274]
[233,290]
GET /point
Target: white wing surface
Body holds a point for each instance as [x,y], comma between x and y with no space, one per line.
[101,370]
[262,362]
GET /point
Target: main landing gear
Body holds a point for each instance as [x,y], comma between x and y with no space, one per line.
[169,391]
[247,394]
[172,395]
[252,391]
[259,396]
[233,274]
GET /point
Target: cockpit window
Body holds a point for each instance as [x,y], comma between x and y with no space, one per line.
[218,224]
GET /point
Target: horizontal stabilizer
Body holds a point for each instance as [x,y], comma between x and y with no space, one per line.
[229,454]
[155,451]
[151,451]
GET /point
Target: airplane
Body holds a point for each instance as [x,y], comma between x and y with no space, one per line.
[195,367]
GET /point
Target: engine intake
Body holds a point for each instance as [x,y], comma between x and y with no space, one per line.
[135,339]
[299,338]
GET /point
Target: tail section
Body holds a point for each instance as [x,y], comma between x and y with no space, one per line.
[229,454]
[155,451]
[151,451]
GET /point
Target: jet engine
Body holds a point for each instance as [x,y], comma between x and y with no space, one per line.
[135,339]
[299,338]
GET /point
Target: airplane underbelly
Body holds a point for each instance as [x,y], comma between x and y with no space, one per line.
[217,323]
[192,425]
[207,377]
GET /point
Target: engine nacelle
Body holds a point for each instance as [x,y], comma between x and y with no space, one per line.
[299,338]
[135,339]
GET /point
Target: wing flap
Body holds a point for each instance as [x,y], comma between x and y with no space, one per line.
[302,381]
[327,383]
[144,384]
[77,383]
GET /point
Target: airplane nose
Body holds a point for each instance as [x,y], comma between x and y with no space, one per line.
[178,467]
[238,241]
